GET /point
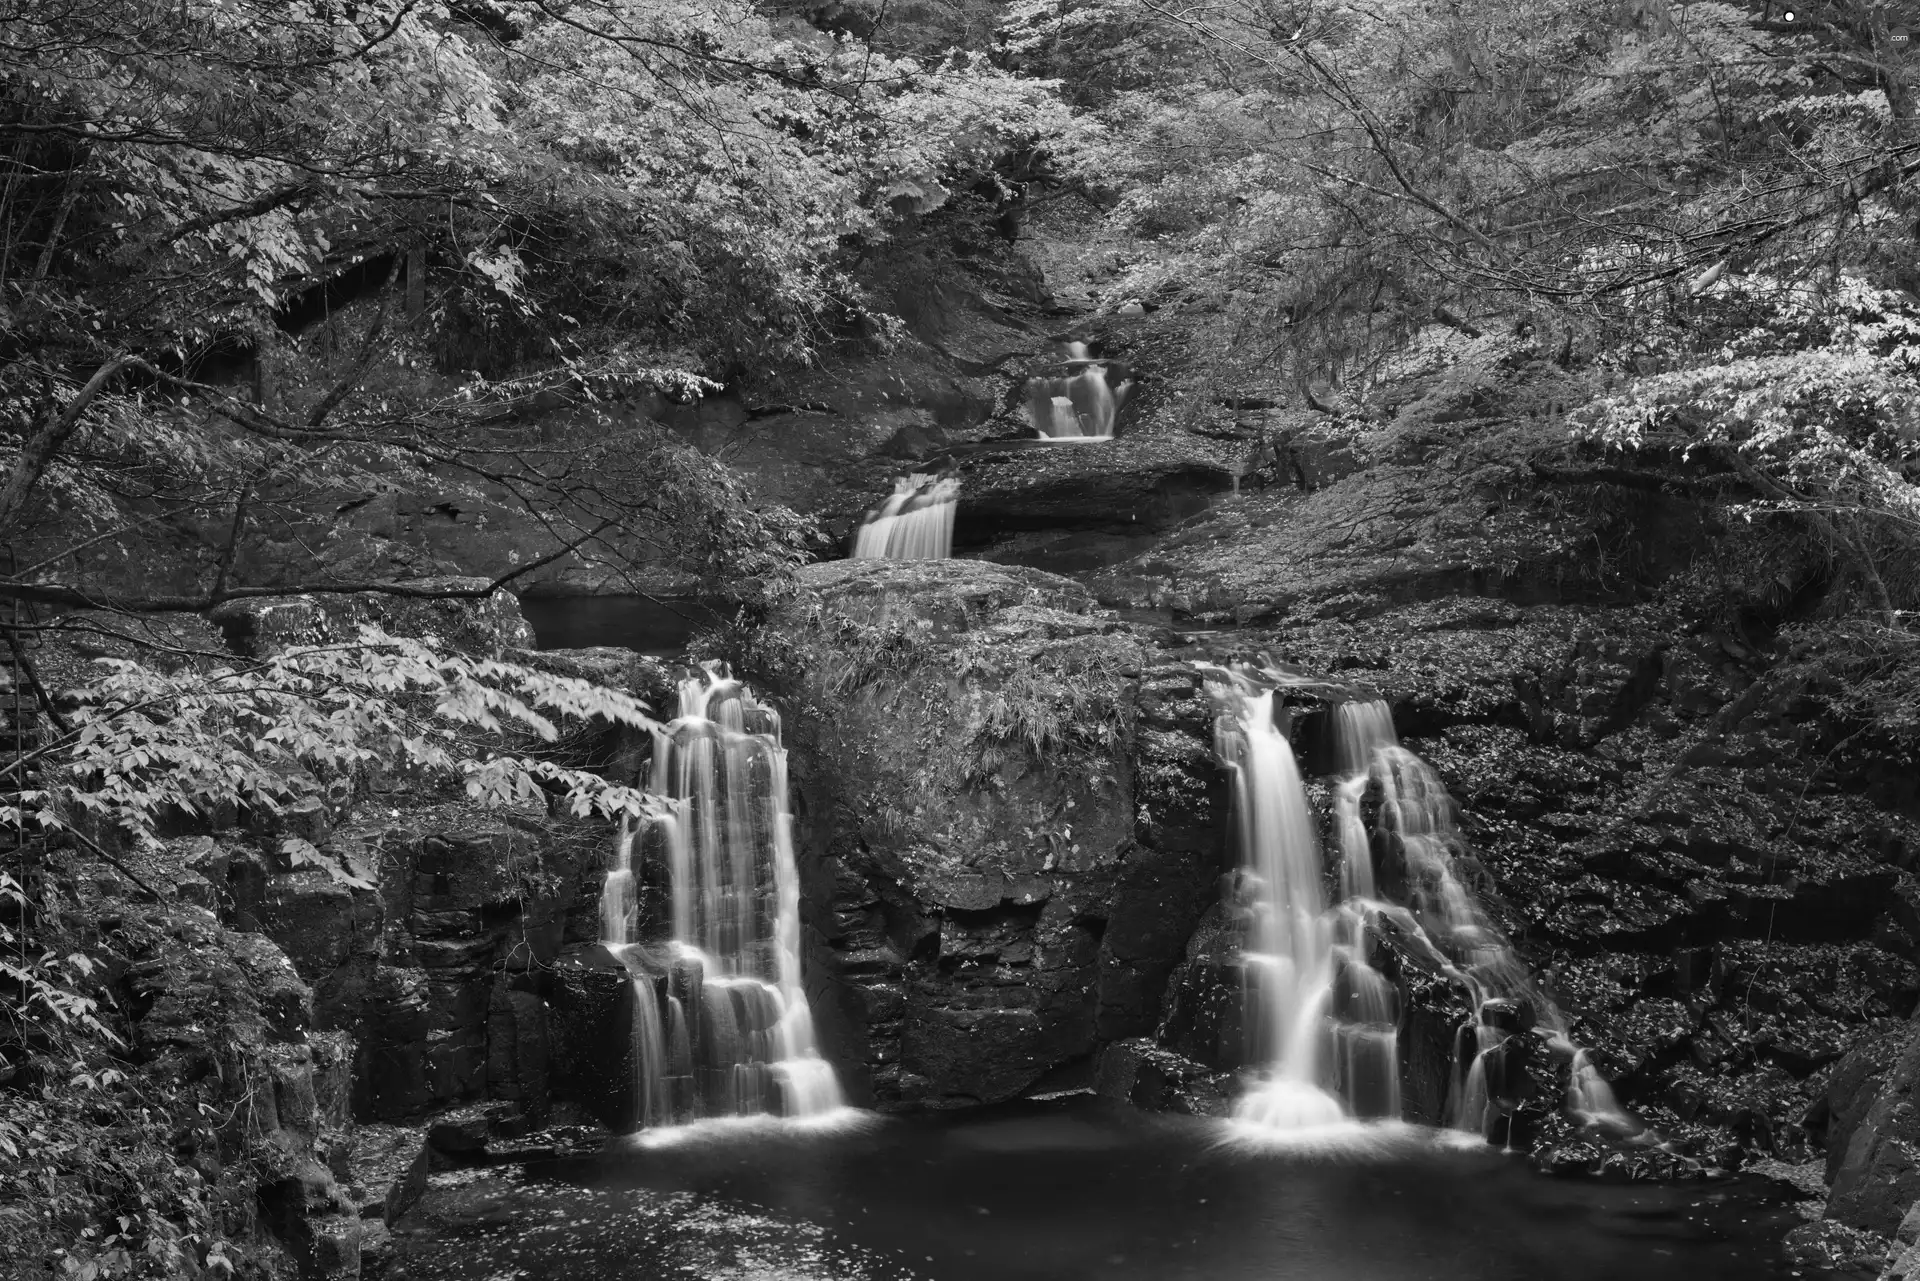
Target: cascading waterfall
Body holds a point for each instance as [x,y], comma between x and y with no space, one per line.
[1324,1021]
[721,1026]
[1084,404]
[915,523]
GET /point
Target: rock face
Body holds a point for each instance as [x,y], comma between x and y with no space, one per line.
[1143,485]
[435,941]
[1878,1175]
[222,1023]
[431,932]
[992,892]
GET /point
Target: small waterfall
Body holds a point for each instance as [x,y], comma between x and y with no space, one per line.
[915,523]
[1083,405]
[721,1026]
[1309,985]
[652,1103]
[618,901]
[1417,816]
[1310,982]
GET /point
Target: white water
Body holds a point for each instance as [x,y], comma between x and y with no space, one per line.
[1323,1021]
[721,1026]
[915,523]
[1081,406]
[1320,1016]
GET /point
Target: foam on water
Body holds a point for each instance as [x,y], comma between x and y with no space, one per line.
[836,1120]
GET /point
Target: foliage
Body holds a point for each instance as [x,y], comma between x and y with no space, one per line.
[1814,398]
[146,747]
[589,210]
[1033,687]
[44,983]
[1324,177]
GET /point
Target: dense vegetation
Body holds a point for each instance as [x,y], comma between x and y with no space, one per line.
[263,255]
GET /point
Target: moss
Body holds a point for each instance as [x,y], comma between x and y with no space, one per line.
[1002,660]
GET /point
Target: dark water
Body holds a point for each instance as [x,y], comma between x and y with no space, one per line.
[1068,1191]
[659,627]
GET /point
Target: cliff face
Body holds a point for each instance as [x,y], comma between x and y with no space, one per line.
[990,899]
[389,955]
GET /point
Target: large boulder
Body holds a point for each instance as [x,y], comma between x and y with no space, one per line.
[1132,485]
[989,900]
[486,624]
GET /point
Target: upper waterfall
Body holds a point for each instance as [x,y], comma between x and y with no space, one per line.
[914,523]
[1082,405]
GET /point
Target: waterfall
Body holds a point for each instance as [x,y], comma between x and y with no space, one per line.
[1416,815]
[1297,948]
[1082,405]
[618,903]
[915,523]
[721,1025]
[1324,1022]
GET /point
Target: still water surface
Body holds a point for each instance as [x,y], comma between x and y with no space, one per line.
[1069,1191]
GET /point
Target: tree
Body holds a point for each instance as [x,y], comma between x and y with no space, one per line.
[264,261]
[611,200]
[1320,164]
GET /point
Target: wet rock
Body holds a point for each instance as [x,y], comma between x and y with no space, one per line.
[1835,1247]
[591,1025]
[1560,1146]
[1206,998]
[1156,1079]
[961,738]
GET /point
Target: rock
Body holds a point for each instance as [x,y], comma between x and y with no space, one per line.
[591,1027]
[405,1192]
[1852,1088]
[1835,1247]
[1124,485]
[1903,1259]
[331,932]
[487,625]
[1206,997]
[517,1047]
[334,1254]
[1879,1176]
[1316,452]
[961,738]
[1156,1079]
[458,1137]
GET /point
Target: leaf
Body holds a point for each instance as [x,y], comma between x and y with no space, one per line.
[301,852]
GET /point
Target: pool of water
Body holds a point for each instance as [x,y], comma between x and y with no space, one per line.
[1067,1191]
[661,627]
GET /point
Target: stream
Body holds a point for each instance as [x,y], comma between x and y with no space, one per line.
[1071,1189]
